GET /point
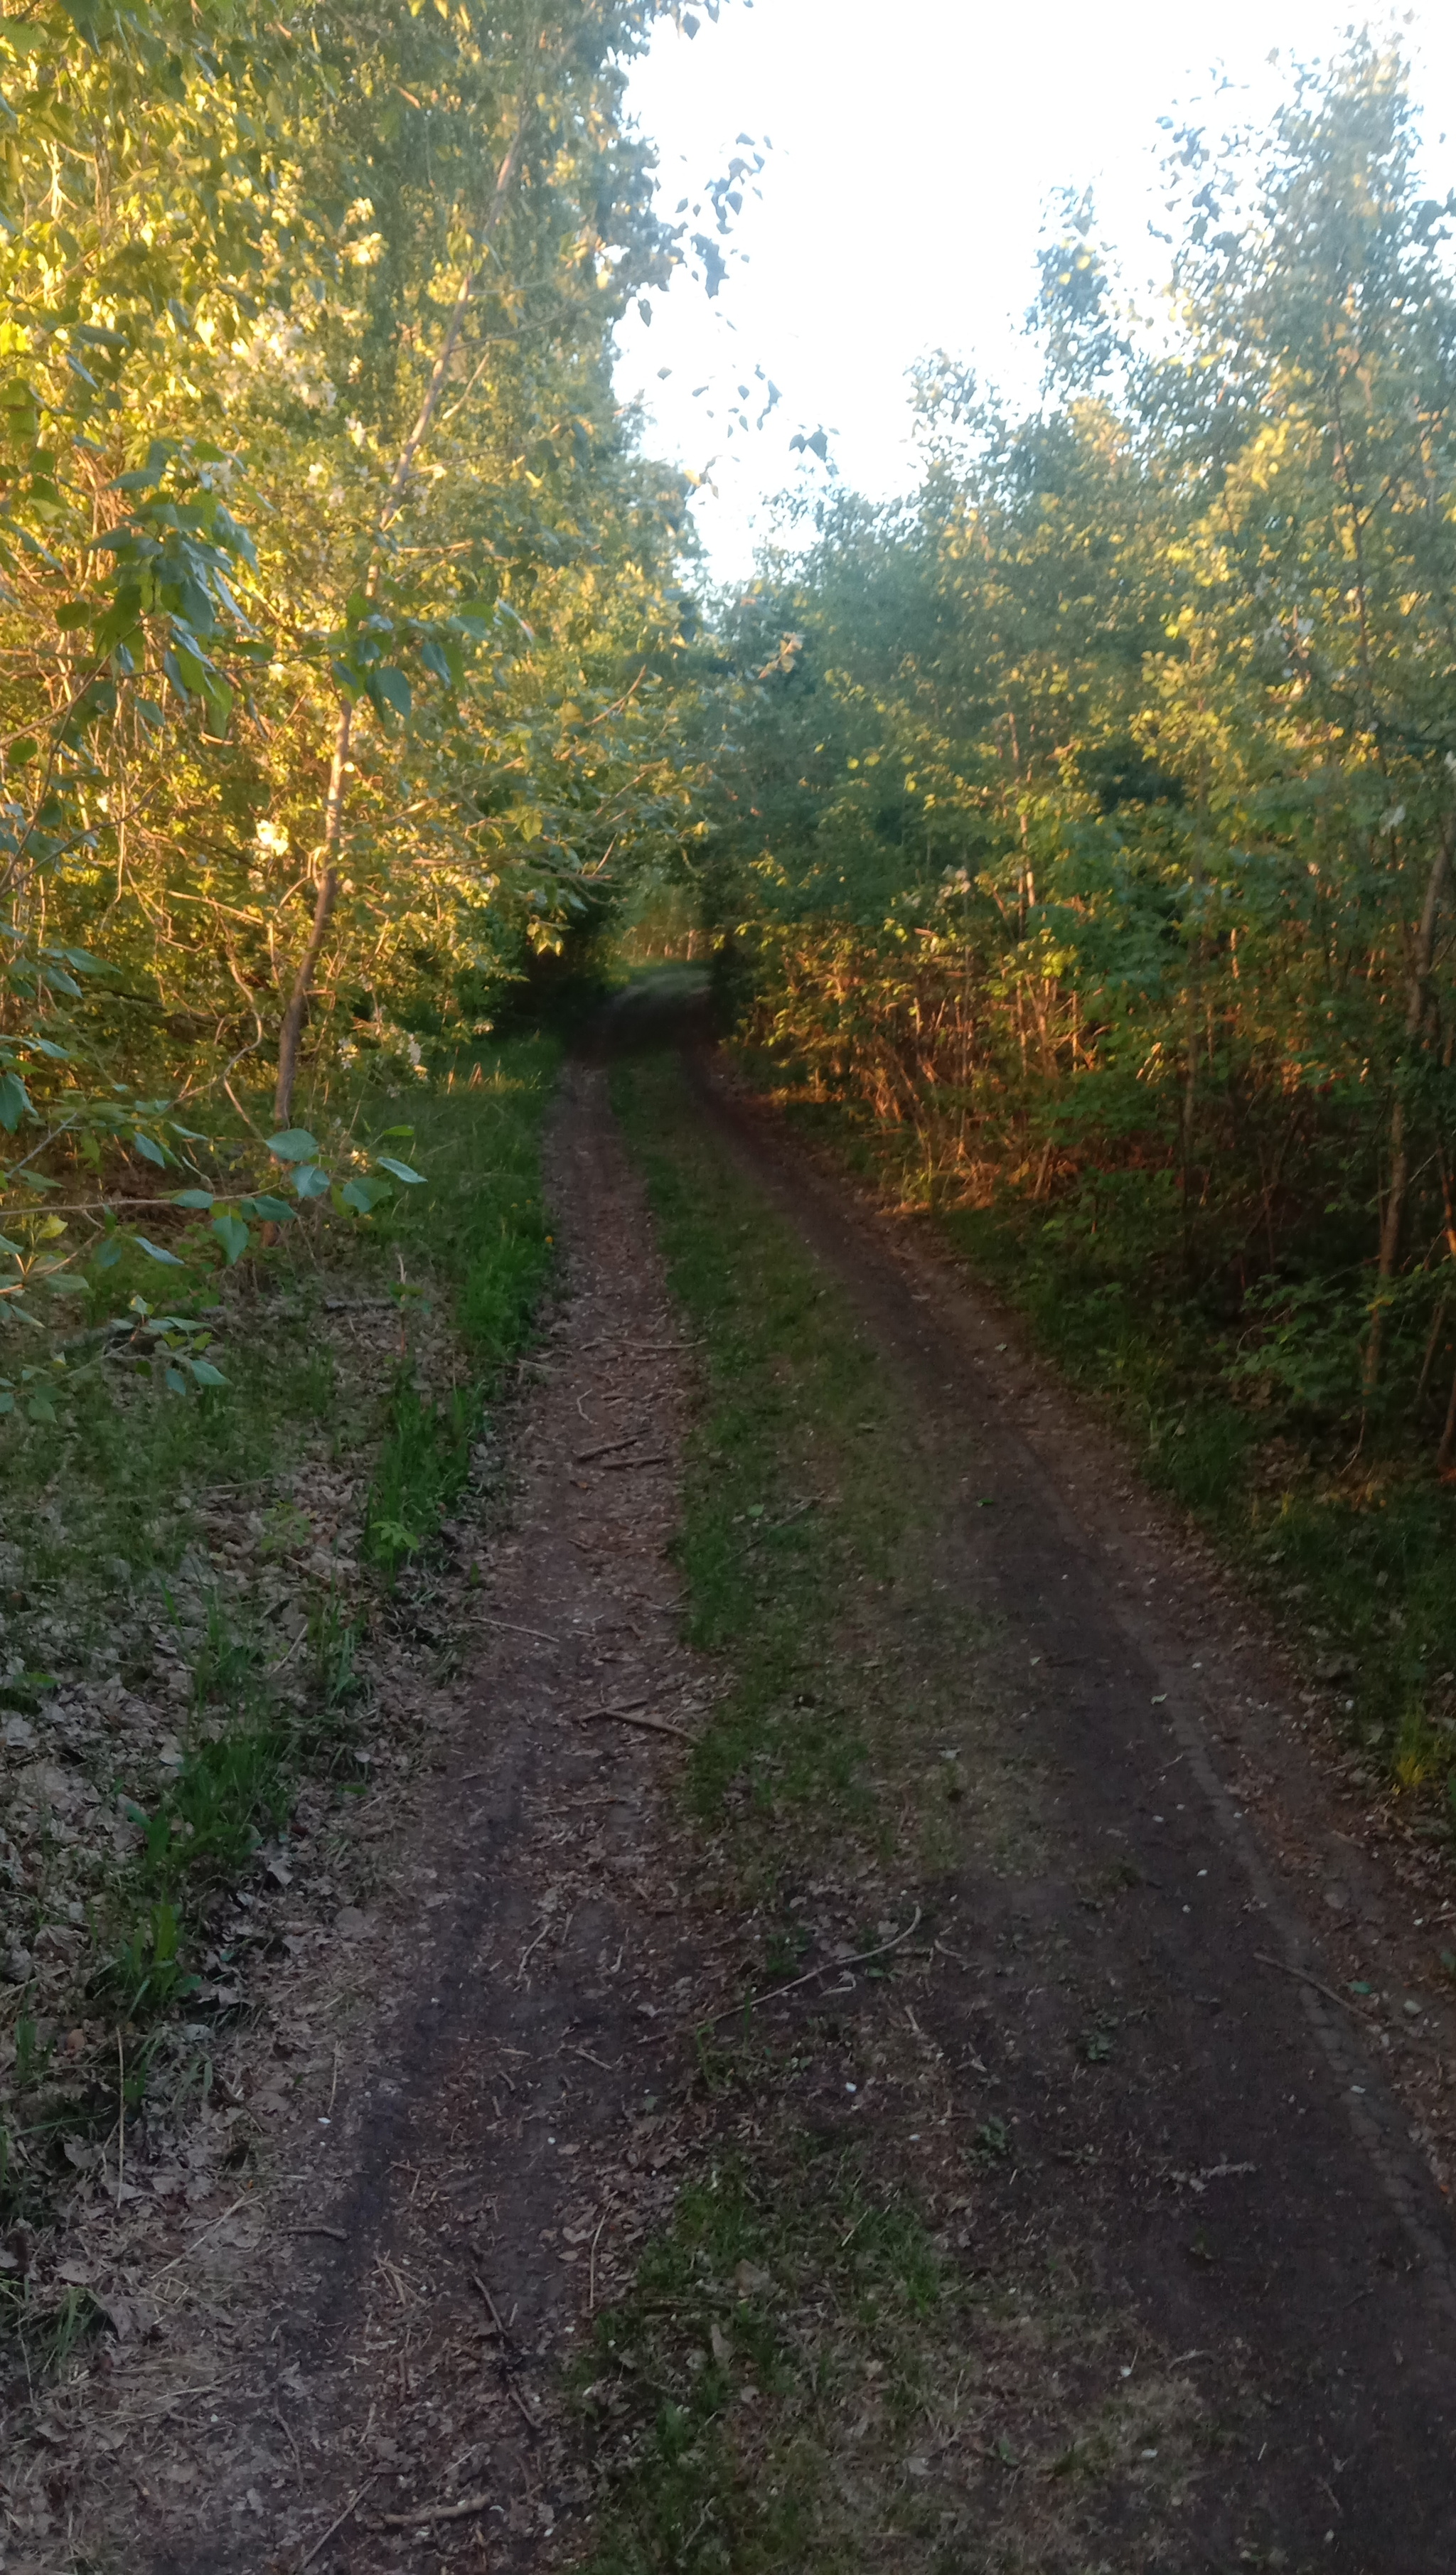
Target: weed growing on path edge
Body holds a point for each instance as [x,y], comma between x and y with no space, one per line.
[185,1624]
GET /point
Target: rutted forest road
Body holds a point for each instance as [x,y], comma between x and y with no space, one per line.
[1197,2308]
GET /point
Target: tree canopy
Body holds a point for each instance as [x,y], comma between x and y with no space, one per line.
[339,611]
[1092,812]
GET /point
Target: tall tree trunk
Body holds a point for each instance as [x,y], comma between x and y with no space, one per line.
[326,891]
[1192,1003]
[1446,1453]
[326,879]
[1392,1218]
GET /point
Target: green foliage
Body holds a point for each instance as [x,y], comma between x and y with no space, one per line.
[423,1466]
[482,1219]
[1089,823]
[259,1720]
[310,454]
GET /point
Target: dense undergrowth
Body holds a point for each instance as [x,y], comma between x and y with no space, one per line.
[192,1581]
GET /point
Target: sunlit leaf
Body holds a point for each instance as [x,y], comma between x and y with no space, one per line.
[14,1101]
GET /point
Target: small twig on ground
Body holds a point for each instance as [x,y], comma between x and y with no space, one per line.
[607,1448]
[336,2231]
[624,1466]
[1305,1978]
[775,1993]
[288,2436]
[426,2513]
[634,1716]
[768,1528]
[349,2509]
[591,2269]
[542,1638]
[334,2086]
[618,1341]
[202,2238]
[478,2283]
[120,2116]
[523,2409]
[288,1657]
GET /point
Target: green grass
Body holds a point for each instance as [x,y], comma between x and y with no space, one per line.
[479,1224]
[100,1506]
[792,1534]
[717,2322]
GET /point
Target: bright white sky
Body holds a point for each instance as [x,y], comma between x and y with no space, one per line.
[914,145]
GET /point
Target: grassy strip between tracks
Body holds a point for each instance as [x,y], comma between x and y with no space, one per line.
[187,1590]
[807,2373]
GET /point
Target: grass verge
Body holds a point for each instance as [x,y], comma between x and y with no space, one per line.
[187,1587]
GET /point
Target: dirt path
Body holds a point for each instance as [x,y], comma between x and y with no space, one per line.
[490,2170]
[377,2325]
[1241,2168]
[1134,2030]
